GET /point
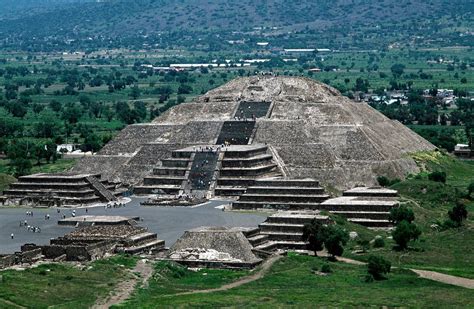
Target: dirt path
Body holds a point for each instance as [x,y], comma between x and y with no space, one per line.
[448,279]
[126,287]
[427,274]
[255,276]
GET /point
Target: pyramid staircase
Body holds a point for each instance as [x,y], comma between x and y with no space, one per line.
[170,177]
[141,243]
[366,206]
[282,231]
[241,166]
[281,194]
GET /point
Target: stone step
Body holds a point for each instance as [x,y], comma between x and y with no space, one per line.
[175,162]
[250,231]
[378,206]
[247,162]
[370,192]
[284,190]
[166,189]
[244,151]
[284,198]
[248,171]
[152,245]
[235,181]
[283,236]
[54,192]
[258,239]
[163,180]
[287,183]
[247,205]
[229,191]
[371,223]
[170,171]
[267,246]
[378,215]
[285,245]
[56,185]
[280,227]
[295,218]
[141,238]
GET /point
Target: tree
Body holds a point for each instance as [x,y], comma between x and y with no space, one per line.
[401,213]
[397,69]
[377,267]
[55,106]
[135,93]
[404,232]
[458,213]
[437,176]
[313,234]
[334,239]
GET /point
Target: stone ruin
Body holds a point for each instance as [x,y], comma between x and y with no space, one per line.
[289,127]
[62,190]
[216,247]
[89,243]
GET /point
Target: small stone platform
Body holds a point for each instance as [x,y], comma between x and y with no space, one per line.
[98,220]
[63,190]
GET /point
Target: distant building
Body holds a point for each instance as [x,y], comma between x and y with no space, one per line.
[62,148]
[463,150]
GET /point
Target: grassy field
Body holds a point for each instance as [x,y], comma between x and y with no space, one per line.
[292,282]
[61,285]
[445,250]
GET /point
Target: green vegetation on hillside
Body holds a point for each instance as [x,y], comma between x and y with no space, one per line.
[439,248]
[292,281]
[61,285]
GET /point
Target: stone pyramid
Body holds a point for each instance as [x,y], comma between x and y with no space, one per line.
[309,128]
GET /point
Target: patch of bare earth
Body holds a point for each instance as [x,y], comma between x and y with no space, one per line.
[139,276]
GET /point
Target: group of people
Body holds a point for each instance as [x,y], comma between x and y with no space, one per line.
[112,205]
[29,228]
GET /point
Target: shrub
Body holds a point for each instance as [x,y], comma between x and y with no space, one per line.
[458,214]
[377,267]
[401,213]
[335,238]
[364,243]
[326,268]
[386,182]
[404,232]
[437,176]
[383,181]
[313,233]
[379,243]
[470,188]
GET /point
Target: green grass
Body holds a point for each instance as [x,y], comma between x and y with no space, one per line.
[61,285]
[449,251]
[291,282]
[170,278]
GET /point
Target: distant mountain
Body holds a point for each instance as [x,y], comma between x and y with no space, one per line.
[13,9]
[120,19]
